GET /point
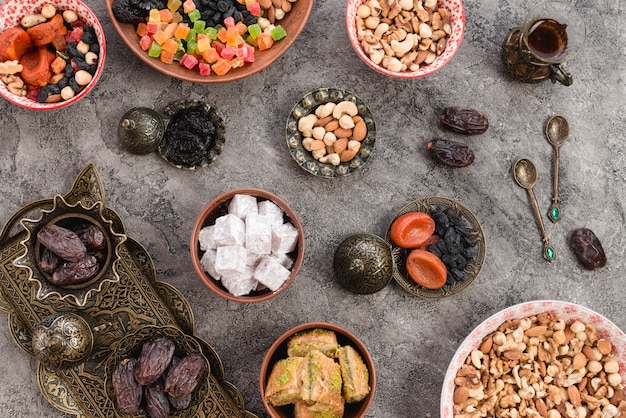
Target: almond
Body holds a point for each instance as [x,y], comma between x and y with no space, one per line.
[579,361]
[323,121]
[359,131]
[604,346]
[486,345]
[340,145]
[461,393]
[537,331]
[356,119]
[342,133]
[347,155]
[513,354]
[317,144]
[569,334]
[588,351]
[574,395]
[332,125]
[541,407]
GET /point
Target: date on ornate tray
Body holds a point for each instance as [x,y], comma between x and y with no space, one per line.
[123,297]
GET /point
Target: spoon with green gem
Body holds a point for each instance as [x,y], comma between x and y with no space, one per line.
[525,174]
[557,132]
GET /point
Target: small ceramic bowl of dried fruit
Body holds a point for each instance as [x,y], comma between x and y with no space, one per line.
[52,52]
[157,371]
[330,133]
[551,348]
[421,38]
[317,368]
[247,245]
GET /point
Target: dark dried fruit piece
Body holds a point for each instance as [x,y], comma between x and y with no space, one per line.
[184,376]
[157,404]
[179,404]
[155,356]
[91,236]
[62,242]
[454,154]
[127,390]
[588,249]
[49,261]
[464,120]
[69,273]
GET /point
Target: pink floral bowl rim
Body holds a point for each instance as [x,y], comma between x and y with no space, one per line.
[11,13]
[565,310]
[457,11]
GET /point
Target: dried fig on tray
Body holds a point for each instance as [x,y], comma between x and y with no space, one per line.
[464,120]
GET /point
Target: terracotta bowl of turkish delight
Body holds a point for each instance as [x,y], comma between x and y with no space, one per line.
[317,369]
[542,356]
[247,245]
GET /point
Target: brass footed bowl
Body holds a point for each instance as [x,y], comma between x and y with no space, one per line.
[68,215]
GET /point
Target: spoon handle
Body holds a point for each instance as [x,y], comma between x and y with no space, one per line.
[554,213]
[548,252]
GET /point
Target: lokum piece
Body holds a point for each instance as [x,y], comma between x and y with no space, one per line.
[253,259]
[208,263]
[284,259]
[284,238]
[229,230]
[240,284]
[241,205]
[230,259]
[258,234]
[271,273]
[206,238]
[271,209]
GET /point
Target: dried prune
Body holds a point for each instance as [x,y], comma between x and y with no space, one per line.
[70,273]
[157,404]
[91,236]
[184,376]
[62,242]
[588,249]
[127,391]
[454,154]
[464,120]
[155,357]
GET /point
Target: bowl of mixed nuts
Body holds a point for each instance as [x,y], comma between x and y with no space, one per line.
[539,356]
[52,52]
[330,132]
[405,38]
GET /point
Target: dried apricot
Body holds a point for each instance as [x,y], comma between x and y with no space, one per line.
[412,229]
[426,269]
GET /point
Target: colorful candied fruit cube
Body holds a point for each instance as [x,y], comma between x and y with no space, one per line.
[167,57]
[170,45]
[210,55]
[221,35]
[191,36]
[255,9]
[160,37]
[218,47]
[265,41]
[236,62]
[203,44]
[252,41]
[229,22]
[153,27]
[245,52]
[170,29]
[142,29]
[189,6]
[154,50]
[75,34]
[166,15]
[177,17]
[228,52]
[174,5]
[278,33]
[191,46]
[211,33]
[233,38]
[199,25]
[221,67]
[204,68]
[189,61]
[182,30]
[154,16]
[254,30]
[241,28]
[145,42]
[194,15]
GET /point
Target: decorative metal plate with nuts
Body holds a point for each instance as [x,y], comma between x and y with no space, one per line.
[330,133]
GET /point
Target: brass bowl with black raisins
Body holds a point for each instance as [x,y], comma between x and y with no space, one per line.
[71,250]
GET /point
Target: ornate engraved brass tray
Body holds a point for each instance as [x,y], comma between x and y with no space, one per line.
[137,300]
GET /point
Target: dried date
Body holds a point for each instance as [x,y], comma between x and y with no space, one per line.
[49,261]
[63,242]
[157,404]
[588,249]
[154,359]
[451,153]
[91,236]
[180,404]
[127,391]
[184,376]
[71,273]
[464,120]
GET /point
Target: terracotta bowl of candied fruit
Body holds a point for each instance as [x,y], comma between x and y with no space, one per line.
[338,351]
[35,78]
[71,251]
[593,347]
[247,245]
[193,49]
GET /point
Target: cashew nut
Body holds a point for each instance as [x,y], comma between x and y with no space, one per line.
[406,4]
[354,145]
[333,159]
[377,56]
[381,29]
[325,110]
[401,48]
[31,20]
[329,139]
[305,124]
[317,154]
[345,108]
[318,132]
[306,143]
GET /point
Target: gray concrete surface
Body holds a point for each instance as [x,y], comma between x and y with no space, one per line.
[411,339]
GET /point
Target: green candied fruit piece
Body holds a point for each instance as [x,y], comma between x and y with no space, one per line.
[178,55]
[191,46]
[199,26]
[155,50]
[278,33]
[254,30]
[211,33]
[194,15]
[191,36]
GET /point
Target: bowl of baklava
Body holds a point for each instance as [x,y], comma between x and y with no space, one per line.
[317,369]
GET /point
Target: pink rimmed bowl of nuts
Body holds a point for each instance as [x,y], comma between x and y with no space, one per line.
[559,356]
[64,33]
[247,245]
[407,39]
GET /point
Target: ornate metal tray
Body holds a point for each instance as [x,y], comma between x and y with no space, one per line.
[137,300]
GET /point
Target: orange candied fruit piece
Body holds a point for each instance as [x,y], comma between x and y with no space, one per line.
[166,15]
[221,35]
[265,41]
[182,31]
[188,6]
[154,16]
[236,62]
[58,65]
[241,27]
[167,57]
[221,67]
[142,29]
[210,55]
[160,37]
[170,45]
[170,29]
[233,38]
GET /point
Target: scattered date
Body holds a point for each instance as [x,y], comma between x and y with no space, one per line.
[127,391]
[451,153]
[156,355]
[588,249]
[464,120]
[183,377]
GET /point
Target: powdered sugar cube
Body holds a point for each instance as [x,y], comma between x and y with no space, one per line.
[271,209]
[240,284]
[229,230]
[230,259]
[258,234]
[208,263]
[284,238]
[206,238]
[241,205]
[271,273]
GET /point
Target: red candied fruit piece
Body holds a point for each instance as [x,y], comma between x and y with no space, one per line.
[218,47]
[75,34]
[246,53]
[228,52]
[205,69]
[255,9]
[145,42]
[229,22]
[188,61]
